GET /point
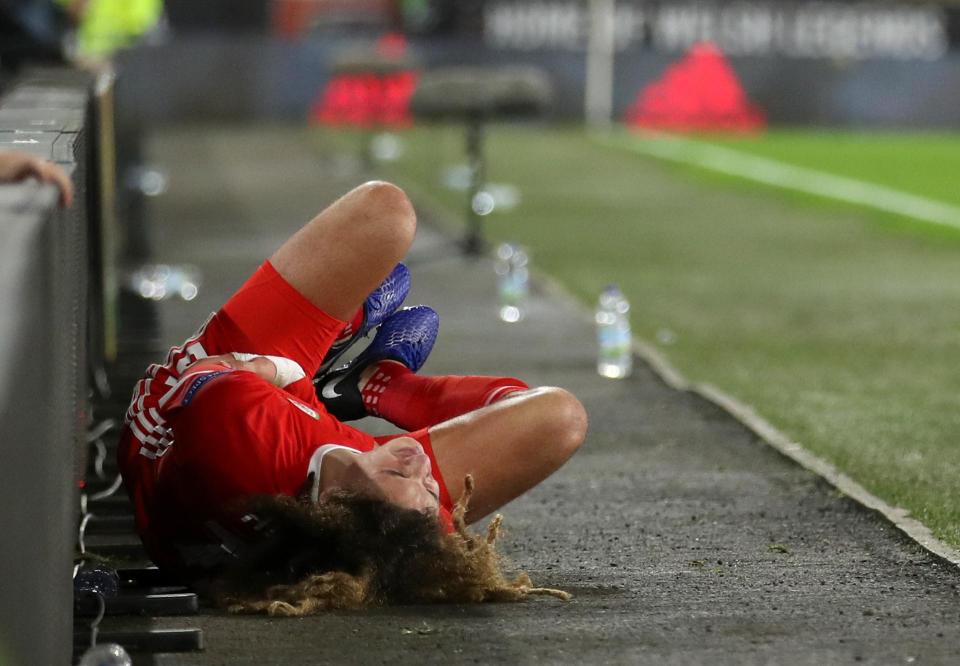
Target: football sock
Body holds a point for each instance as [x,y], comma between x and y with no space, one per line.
[411,401]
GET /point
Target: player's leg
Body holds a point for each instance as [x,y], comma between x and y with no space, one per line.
[394,392]
[508,447]
[410,401]
[298,303]
[345,252]
[382,381]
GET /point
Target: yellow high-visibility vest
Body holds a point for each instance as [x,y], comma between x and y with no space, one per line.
[108,25]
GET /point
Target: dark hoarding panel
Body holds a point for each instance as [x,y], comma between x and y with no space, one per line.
[856,31]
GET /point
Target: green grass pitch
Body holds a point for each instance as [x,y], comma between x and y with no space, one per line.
[840,325]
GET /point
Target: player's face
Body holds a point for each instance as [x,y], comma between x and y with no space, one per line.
[400,472]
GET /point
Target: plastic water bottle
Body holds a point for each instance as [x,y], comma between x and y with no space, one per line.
[614,358]
[106,654]
[513,281]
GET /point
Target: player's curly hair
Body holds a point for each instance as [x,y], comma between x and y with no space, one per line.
[351,552]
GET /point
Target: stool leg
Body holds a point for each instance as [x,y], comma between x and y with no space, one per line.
[473,243]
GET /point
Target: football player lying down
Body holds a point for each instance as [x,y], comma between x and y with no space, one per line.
[246,477]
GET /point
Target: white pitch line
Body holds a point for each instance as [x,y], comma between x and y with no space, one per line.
[787,176]
[897,516]
[822,184]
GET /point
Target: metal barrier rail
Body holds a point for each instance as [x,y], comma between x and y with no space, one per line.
[44,368]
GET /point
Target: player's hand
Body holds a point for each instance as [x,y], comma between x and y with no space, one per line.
[259,365]
[16,166]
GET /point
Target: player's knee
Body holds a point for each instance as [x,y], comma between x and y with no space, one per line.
[384,196]
[568,421]
[388,208]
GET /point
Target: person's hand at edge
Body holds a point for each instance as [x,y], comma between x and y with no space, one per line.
[16,166]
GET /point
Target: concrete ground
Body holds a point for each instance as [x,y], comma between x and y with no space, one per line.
[683,538]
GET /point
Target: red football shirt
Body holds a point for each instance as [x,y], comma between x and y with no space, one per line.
[236,435]
[198,438]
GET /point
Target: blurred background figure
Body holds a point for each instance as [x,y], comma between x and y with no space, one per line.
[104,26]
[31,30]
[88,30]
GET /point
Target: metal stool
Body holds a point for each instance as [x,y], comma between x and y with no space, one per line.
[476,96]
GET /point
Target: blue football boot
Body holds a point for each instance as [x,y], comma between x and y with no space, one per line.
[380,304]
[406,336]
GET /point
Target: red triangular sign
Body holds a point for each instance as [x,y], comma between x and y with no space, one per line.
[366,100]
[701,92]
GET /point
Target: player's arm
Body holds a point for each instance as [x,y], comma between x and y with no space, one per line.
[213,370]
[280,372]
[258,365]
[273,369]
